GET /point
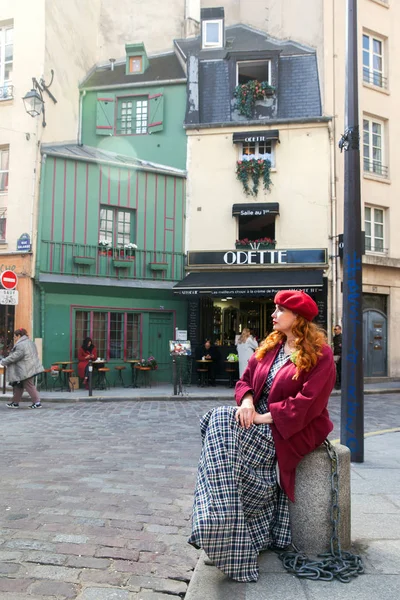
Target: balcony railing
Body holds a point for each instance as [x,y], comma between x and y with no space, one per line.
[374,167]
[375,78]
[65,258]
[6,92]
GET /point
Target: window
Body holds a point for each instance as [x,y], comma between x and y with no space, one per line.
[373,67]
[4,160]
[251,70]
[6,61]
[135,64]
[256,228]
[3,223]
[212,34]
[116,226]
[373,147]
[264,149]
[374,229]
[132,116]
[116,335]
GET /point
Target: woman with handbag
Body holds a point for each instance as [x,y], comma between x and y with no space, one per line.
[23,364]
[249,456]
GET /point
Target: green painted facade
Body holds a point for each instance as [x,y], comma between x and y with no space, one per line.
[166,141]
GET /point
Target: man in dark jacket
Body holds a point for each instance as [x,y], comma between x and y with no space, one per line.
[209,352]
[337,354]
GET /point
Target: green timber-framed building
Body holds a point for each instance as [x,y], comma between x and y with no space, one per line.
[111,220]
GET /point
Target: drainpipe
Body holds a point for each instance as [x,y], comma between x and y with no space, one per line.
[81,97]
[333,232]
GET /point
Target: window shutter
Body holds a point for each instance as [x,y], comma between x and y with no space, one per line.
[156,113]
[105,114]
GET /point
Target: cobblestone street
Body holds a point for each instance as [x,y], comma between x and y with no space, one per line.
[96,498]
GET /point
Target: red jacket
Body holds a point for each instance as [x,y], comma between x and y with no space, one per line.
[298,408]
[83,360]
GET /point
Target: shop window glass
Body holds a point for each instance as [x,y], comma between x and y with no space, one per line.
[116,335]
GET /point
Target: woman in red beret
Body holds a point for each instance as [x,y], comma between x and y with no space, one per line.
[249,456]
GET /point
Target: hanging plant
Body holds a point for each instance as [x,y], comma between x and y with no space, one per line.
[246,95]
[251,171]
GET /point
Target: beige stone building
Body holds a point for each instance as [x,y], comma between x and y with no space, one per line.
[321,25]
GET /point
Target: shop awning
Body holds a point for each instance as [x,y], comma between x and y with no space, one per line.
[255,209]
[255,136]
[250,283]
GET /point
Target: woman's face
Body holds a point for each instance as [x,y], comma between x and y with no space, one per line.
[89,343]
[283,319]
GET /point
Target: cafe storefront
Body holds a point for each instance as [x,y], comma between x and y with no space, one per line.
[231,289]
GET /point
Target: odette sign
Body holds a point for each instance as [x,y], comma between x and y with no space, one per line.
[8,280]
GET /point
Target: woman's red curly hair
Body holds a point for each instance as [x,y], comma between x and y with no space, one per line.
[309,339]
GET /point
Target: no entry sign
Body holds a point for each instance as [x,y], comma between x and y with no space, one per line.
[8,280]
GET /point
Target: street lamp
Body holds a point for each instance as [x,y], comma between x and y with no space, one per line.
[33,100]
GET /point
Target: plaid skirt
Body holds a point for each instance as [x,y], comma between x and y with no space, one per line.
[239,508]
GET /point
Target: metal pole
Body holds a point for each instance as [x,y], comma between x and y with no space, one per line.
[4,379]
[90,379]
[352,406]
[174,379]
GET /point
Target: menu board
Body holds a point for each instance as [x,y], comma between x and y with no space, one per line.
[193,322]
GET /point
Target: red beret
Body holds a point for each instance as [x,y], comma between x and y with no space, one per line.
[298,302]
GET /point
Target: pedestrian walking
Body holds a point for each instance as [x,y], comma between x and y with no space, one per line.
[245,347]
[337,354]
[86,353]
[249,454]
[23,364]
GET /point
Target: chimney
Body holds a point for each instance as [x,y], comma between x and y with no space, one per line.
[112,61]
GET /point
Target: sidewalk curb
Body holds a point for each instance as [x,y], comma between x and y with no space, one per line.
[70,398]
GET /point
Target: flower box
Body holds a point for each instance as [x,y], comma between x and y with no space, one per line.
[255,246]
[120,263]
[84,260]
[161,266]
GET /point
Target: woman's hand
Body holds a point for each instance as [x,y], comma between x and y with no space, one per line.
[246,412]
[266,418]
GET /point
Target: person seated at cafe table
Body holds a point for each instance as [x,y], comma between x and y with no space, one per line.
[209,352]
[86,353]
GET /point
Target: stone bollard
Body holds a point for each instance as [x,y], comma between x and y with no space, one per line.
[310,515]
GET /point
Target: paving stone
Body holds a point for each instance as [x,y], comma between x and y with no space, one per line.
[158,585]
[71,539]
[45,558]
[90,521]
[97,576]
[7,584]
[10,555]
[8,568]
[76,549]
[118,553]
[58,573]
[52,588]
[32,544]
[86,562]
[97,593]
[164,529]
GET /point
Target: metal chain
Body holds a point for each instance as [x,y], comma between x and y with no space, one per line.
[336,564]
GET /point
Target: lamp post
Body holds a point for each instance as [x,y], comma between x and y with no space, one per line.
[33,100]
[352,405]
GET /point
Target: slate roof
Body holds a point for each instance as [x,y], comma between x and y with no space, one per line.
[162,67]
[95,155]
[242,38]
[296,72]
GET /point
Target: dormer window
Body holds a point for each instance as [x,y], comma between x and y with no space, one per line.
[135,64]
[212,28]
[212,34]
[253,70]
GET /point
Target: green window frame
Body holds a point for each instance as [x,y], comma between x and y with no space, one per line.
[133,115]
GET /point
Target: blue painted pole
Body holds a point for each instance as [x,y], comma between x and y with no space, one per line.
[352,405]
